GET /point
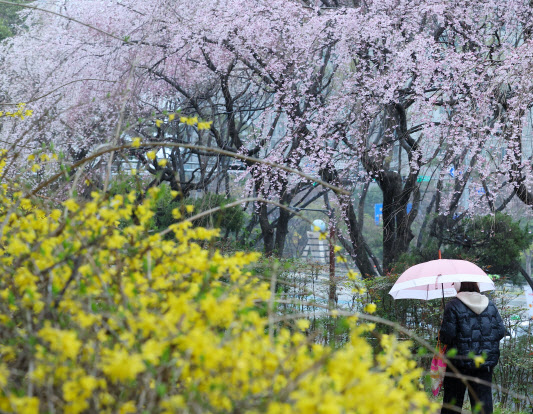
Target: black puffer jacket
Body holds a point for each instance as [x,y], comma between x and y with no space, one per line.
[468,332]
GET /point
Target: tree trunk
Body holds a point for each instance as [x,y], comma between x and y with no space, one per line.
[397,232]
[526,276]
[282,229]
[267,230]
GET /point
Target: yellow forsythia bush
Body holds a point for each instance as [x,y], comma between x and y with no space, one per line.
[98,314]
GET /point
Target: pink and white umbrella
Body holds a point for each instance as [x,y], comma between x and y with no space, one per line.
[434,279]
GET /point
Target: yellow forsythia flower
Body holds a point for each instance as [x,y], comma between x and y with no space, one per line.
[478,360]
[71,205]
[302,324]
[204,125]
[21,112]
[119,365]
[4,375]
[189,120]
[176,214]
[24,405]
[127,408]
[370,307]
[108,309]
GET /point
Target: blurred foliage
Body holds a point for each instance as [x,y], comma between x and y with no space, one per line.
[229,220]
[10,18]
[123,183]
[422,317]
[496,241]
[101,318]
[515,369]
[493,242]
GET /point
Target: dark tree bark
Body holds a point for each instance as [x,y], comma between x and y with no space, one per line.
[267,230]
[282,227]
[397,193]
[526,276]
[397,234]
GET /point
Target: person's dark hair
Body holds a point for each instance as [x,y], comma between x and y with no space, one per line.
[469,287]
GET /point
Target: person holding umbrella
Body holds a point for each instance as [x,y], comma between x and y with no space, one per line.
[472,325]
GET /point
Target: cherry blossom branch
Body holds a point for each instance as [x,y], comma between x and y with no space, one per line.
[243,157]
[54,90]
[26,6]
[124,40]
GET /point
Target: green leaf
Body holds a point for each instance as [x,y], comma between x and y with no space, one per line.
[165,357]
[451,353]
[161,389]
[421,351]
[11,298]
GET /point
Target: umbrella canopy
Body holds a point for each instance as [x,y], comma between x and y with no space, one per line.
[434,279]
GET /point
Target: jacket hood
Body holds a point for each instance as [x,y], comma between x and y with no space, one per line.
[475,301]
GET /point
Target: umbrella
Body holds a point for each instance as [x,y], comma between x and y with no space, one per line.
[434,279]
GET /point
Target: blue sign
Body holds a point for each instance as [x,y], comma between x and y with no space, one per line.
[378,213]
[452,171]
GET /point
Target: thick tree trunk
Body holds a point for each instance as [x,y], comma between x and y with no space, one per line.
[282,229]
[397,234]
[267,230]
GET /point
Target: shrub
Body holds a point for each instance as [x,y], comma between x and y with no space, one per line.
[97,318]
[229,220]
[494,242]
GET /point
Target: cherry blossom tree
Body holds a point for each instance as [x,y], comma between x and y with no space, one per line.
[354,92]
